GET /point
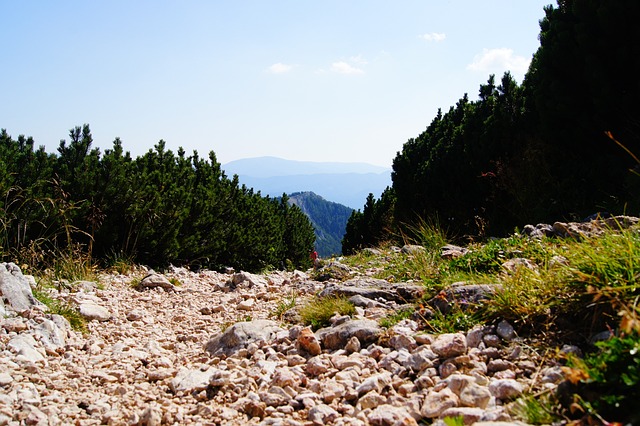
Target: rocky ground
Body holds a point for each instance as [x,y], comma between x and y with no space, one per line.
[209,352]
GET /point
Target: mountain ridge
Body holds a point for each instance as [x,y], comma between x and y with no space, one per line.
[270,166]
[348,184]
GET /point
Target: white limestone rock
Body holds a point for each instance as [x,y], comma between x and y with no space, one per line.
[449,345]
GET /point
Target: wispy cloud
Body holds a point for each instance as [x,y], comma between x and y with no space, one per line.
[501,59]
[344,68]
[436,37]
[358,60]
[279,68]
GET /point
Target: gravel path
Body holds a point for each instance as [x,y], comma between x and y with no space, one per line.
[149,359]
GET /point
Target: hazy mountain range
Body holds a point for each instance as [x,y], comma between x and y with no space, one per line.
[344,183]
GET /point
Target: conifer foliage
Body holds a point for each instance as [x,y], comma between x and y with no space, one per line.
[534,152]
[160,208]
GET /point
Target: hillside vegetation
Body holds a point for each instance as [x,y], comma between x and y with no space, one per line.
[569,294]
[329,220]
[555,147]
[157,209]
[561,146]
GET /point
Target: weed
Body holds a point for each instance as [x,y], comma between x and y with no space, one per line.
[121,263]
[423,266]
[176,282]
[284,305]
[76,320]
[530,298]
[73,265]
[319,311]
[135,282]
[362,257]
[489,257]
[56,265]
[609,379]
[536,410]
[485,258]
[395,317]
[457,319]
[611,260]
[454,421]
[225,325]
[428,234]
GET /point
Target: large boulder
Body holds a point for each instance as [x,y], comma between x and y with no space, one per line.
[462,295]
[375,289]
[188,380]
[16,289]
[367,331]
[154,280]
[247,280]
[92,311]
[25,345]
[335,271]
[240,335]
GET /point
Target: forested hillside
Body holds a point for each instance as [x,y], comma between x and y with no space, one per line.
[329,220]
[555,147]
[156,209]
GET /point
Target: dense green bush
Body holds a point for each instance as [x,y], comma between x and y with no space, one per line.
[156,209]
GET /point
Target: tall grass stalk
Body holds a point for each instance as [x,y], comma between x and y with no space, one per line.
[611,261]
[530,298]
[429,234]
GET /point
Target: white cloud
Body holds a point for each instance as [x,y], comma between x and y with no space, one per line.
[279,68]
[502,59]
[358,60]
[437,37]
[345,68]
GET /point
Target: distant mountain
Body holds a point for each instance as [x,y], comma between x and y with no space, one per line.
[328,219]
[262,167]
[344,183]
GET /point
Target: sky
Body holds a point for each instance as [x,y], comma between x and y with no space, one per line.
[332,80]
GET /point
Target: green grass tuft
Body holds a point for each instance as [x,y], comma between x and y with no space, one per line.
[121,263]
[454,421]
[395,317]
[457,319]
[284,305]
[318,312]
[536,411]
[59,307]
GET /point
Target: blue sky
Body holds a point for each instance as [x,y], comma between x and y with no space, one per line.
[347,80]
